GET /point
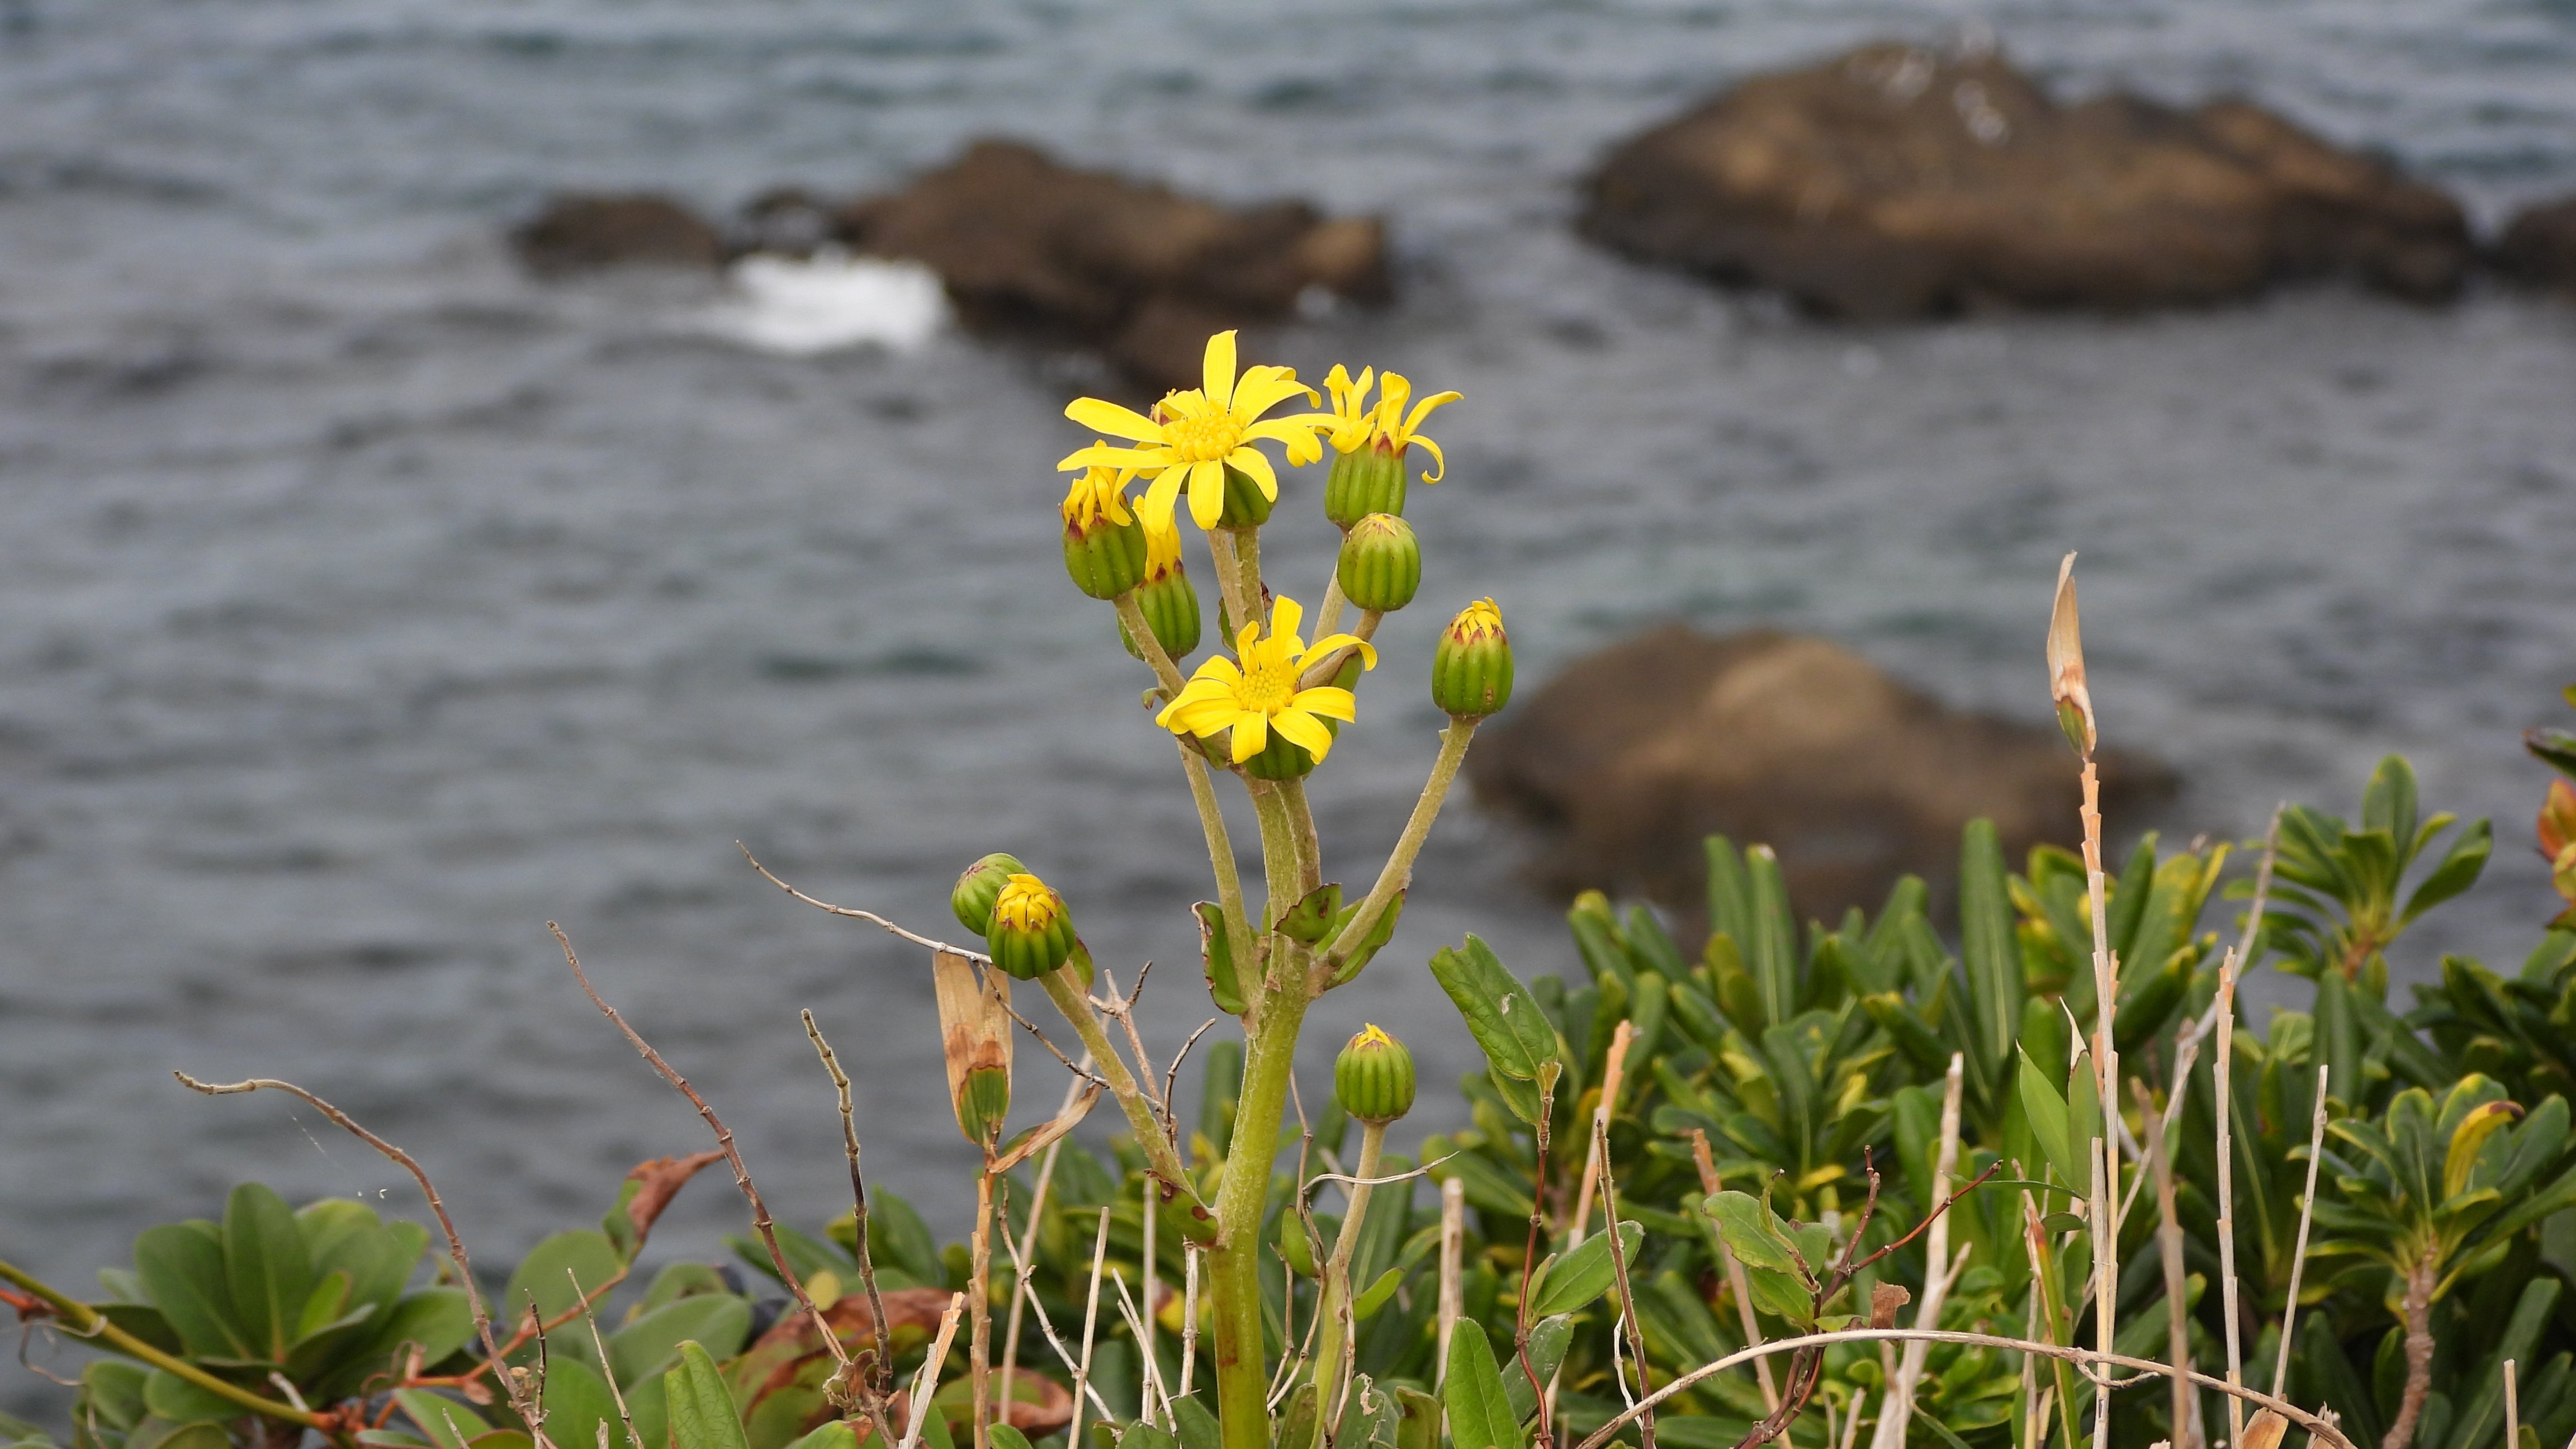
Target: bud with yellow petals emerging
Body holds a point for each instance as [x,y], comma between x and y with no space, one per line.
[1165,598]
[1380,568]
[1032,931]
[978,886]
[1471,670]
[1373,1078]
[1104,545]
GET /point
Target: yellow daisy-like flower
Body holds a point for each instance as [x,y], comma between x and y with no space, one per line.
[1195,435]
[1402,430]
[1101,492]
[1261,694]
[1353,421]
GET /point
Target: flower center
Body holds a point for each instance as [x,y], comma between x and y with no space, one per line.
[1269,683]
[1203,435]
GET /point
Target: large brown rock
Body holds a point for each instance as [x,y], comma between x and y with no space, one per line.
[1633,755]
[2539,246]
[1893,182]
[1030,246]
[579,232]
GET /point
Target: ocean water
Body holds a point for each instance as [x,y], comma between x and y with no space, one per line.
[365,605]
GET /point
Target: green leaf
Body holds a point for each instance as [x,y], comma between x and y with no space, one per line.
[448,1423]
[1216,958]
[114,1390]
[2045,1107]
[181,1265]
[1374,942]
[1770,948]
[702,1410]
[1366,1305]
[1417,1424]
[1003,1436]
[1586,1273]
[160,1434]
[577,1402]
[1480,1415]
[1754,1234]
[546,1276]
[173,1398]
[1549,1338]
[1990,950]
[2458,871]
[648,1345]
[1307,921]
[266,1269]
[1519,1043]
[1197,1423]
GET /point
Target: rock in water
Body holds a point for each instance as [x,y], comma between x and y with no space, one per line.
[2539,246]
[1028,245]
[580,232]
[1633,755]
[1892,182]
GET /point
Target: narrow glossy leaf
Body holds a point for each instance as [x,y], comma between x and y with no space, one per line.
[837,1434]
[265,1268]
[1587,1272]
[1216,958]
[171,1397]
[1753,1232]
[115,1391]
[1518,1040]
[181,1265]
[448,1423]
[1987,945]
[1196,1422]
[1480,1413]
[702,1409]
[2459,870]
[1730,899]
[1379,1294]
[1771,951]
[2045,1109]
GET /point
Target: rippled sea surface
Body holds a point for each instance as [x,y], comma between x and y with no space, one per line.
[364,606]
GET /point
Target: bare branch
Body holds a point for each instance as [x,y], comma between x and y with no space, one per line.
[879,1384]
[871,917]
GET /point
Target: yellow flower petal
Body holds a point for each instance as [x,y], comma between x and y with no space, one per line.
[1285,615]
[1328,700]
[1218,367]
[1108,417]
[1327,647]
[1299,728]
[1255,466]
[1207,493]
[1251,735]
[1432,475]
[1161,496]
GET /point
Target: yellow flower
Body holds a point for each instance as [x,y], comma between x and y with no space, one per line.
[1194,436]
[1162,551]
[1100,492]
[1355,423]
[1402,430]
[1262,694]
[1027,904]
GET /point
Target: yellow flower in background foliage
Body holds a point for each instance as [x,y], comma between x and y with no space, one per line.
[1194,436]
[1261,694]
[1355,423]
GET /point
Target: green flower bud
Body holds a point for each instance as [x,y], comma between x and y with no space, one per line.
[1170,605]
[1032,932]
[1373,1077]
[977,888]
[1284,759]
[1381,563]
[1365,480]
[1471,670]
[1104,545]
[1246,506]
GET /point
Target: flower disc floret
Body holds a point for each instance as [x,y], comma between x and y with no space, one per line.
[1260,694]
[1032,932]
[1194,436]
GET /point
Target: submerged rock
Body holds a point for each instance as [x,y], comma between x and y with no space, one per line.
[1893,182]
[2539,246]
[580,232]
[1030,246]
[1634,754]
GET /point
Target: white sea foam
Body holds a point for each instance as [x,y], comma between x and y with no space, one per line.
[804,308]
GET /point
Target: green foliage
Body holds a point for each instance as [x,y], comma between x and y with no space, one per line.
[2336,890]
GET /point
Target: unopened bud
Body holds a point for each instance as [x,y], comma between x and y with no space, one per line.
[1032,932]
[1381,563]
[1104,545]
[1471,670]
[1169,604]
[1366,480]
[1373,1077]
[1246,505]
[978,887]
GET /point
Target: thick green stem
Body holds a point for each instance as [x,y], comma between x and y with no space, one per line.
[1301,835]
[1328,615]
[83,1321]
[1066,992]
[1247,557]
[1131,615]
[1282,872]
[1234,1264]
[1229,581]
[1399,865]
[1229,882]
[1332,1354]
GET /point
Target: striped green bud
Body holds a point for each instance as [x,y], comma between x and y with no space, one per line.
[1365,480]
[976,890]
[1246,506]
[1105,559]
[1381,563]
[1032,932]
[1373,1077]
[1169,604]
[1471,670]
